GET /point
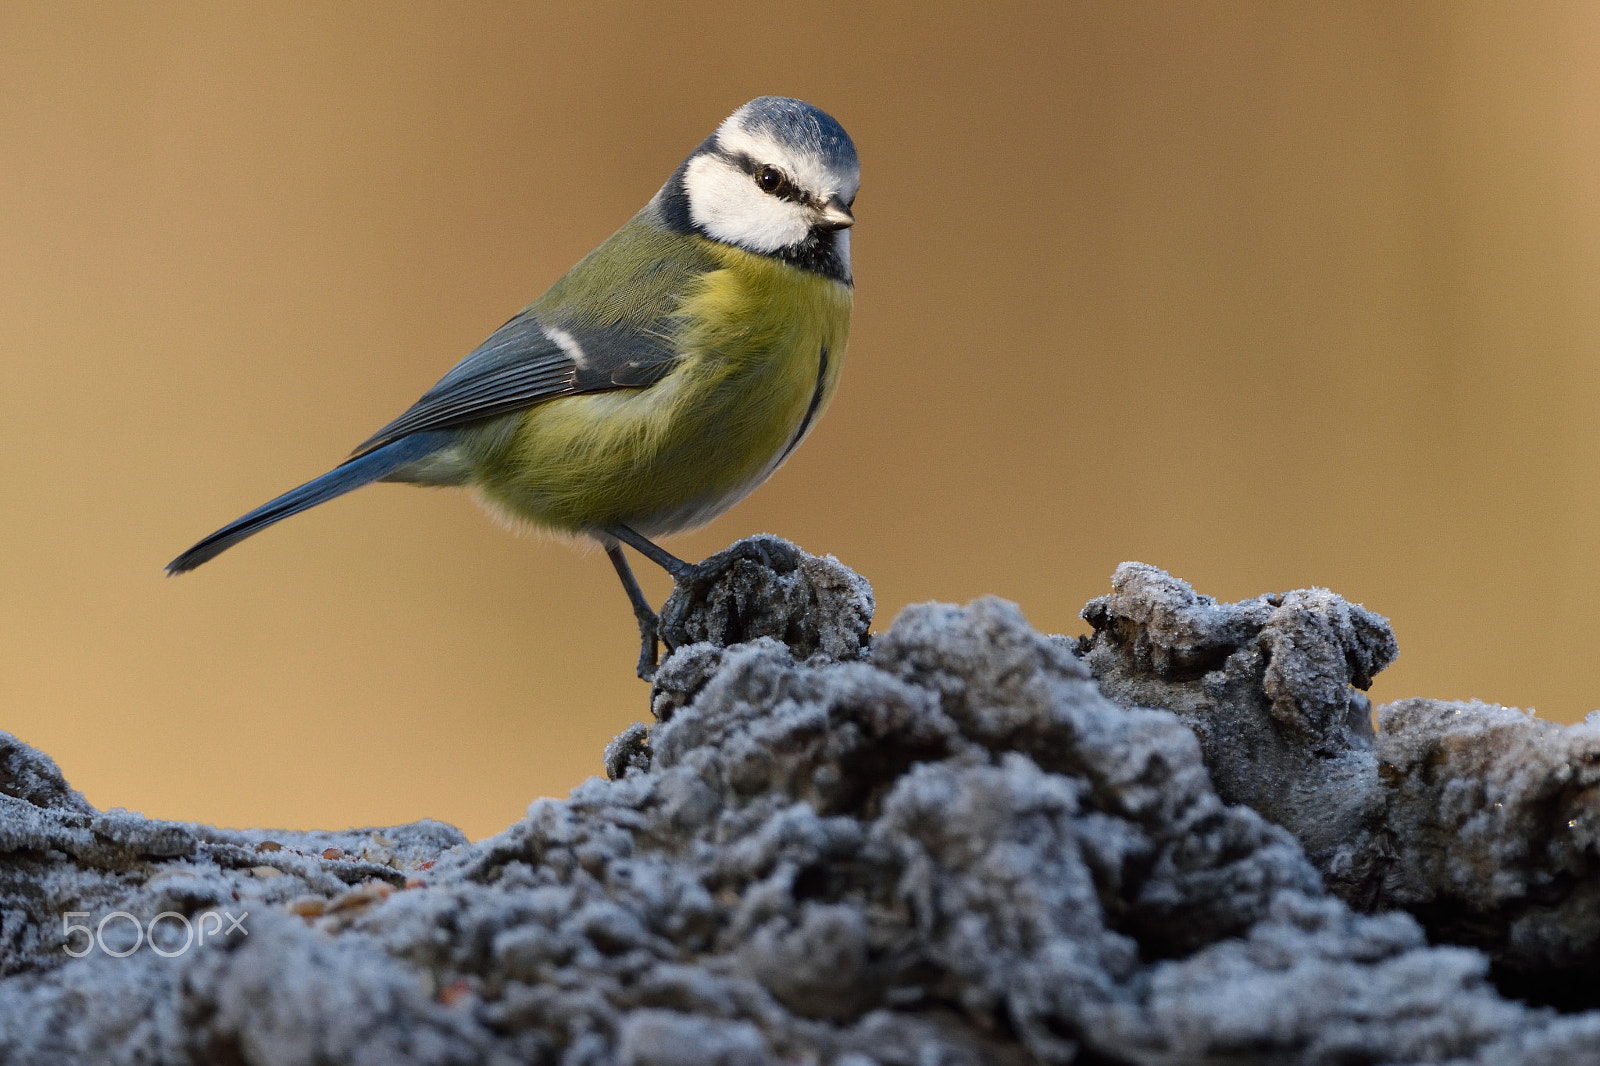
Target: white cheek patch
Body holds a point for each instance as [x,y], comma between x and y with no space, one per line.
[727,204]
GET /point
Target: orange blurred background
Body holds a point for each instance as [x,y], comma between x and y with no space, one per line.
[1269,295]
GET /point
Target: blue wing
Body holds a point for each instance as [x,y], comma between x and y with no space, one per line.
[522,363]
[527,361]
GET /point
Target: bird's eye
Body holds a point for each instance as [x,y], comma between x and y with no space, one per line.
[770,179]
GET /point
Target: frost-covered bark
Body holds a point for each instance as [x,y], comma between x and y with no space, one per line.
[1482,821]
[944,844]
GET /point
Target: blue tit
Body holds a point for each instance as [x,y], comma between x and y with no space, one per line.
[666,375]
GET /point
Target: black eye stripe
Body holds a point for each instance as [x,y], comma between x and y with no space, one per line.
[785,189]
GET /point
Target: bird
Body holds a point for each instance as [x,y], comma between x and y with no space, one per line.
[659,381]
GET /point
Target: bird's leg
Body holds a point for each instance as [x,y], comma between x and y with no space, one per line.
[685,575]
[645,547]
[694,579]
[758,550]
[679,570]
[641,611]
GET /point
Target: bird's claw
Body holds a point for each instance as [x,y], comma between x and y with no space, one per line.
[754,549]
[693,579]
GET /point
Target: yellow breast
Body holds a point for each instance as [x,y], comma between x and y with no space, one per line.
[762,342]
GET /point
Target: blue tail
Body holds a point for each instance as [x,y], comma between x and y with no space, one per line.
[341,479]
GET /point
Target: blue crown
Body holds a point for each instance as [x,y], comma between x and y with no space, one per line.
[796,122]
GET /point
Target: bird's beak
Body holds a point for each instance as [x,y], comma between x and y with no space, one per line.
[834,215]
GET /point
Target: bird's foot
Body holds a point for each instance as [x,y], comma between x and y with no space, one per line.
[764,551]
[694,583]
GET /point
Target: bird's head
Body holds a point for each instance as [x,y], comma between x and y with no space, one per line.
[777,178]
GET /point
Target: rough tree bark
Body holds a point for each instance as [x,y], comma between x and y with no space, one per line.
[959,841]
